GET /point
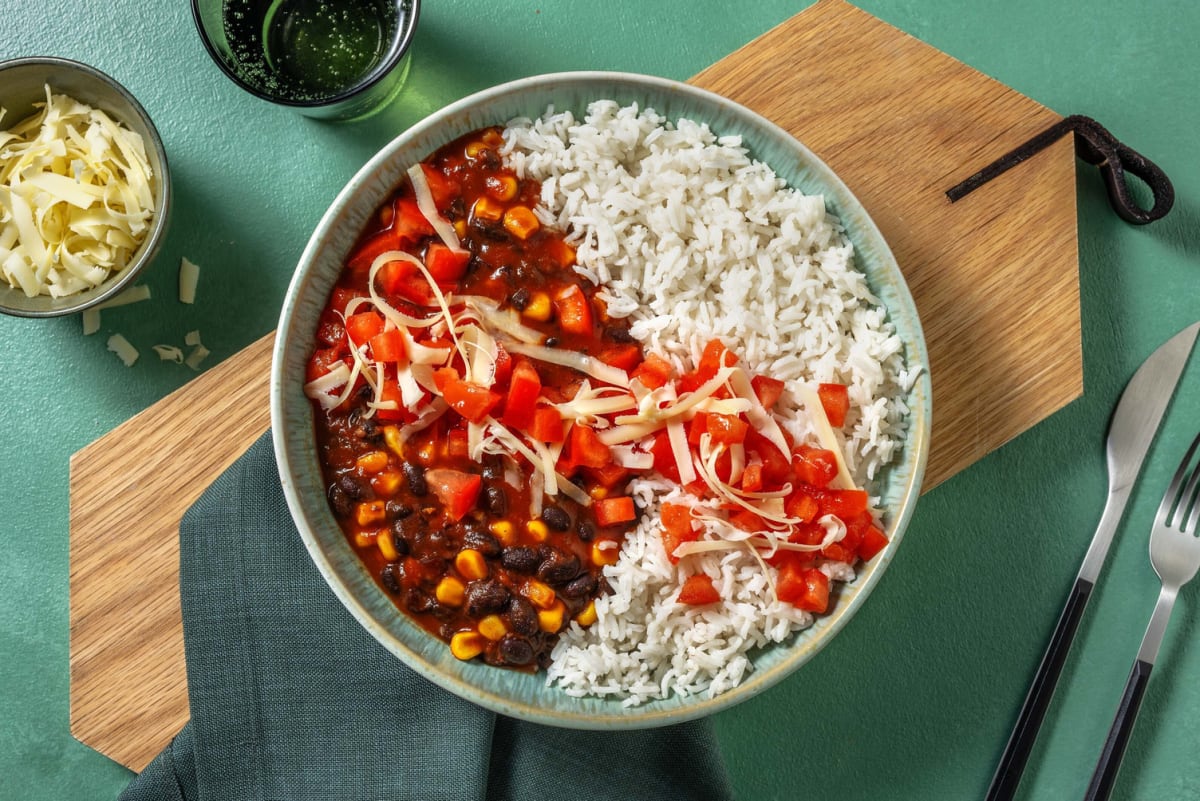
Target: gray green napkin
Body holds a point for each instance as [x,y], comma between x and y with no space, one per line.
[292,700]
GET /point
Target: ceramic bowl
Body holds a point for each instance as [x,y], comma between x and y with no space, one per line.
[525,695]
[22,84]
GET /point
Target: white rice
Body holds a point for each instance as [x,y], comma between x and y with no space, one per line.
[690,239]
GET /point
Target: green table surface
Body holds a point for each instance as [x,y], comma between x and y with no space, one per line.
[916,697]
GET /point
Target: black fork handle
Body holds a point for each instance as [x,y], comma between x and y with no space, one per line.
[1033,711]
[1109,763]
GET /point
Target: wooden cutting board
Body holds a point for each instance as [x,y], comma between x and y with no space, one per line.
[995,278]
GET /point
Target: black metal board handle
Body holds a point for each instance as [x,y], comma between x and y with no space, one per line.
[1037,701]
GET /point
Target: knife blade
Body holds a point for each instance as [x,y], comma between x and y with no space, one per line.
[1131,429]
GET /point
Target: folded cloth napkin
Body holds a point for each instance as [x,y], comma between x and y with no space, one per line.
[292,700]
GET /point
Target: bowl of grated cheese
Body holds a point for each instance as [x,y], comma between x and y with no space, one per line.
[84,187]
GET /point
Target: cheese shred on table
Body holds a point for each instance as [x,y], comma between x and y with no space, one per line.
[76,198]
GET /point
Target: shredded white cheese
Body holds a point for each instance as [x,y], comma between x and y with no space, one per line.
[189,277]
[126,352]
[77,197]
[169,353]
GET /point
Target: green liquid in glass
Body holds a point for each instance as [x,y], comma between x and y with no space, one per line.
[306,50]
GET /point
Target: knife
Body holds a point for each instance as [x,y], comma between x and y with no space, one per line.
[1132,428]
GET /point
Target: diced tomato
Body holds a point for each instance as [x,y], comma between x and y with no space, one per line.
[472,401]
[815,466]
[801,505]
[388,346]
[698,590]
[504,365]
[408,223]
[322,361]
[614,510]
[664,457]
[547,425]
[443,189]
[442,376]
[767,389]
[390,393]
[341,297]
[364,325]
[331,331]
[364,255]
[574,310]
[800,560]
[653,372]
[746,520]
[445,265]
[697,428]
[457,490]
[608,476]
[677,528]
[456,443]
[402,279]
[805,588]
[584,448]
[727,429]
[835,400]
[715,356]
[623,355]
[752,480]
[873,541]
[776,467]
[844,504]
[523,389]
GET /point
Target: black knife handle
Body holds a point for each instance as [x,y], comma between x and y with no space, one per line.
[1118,736]
[1033,711]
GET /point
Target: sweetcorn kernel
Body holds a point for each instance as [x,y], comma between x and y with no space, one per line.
[587,615]
[539,307]
[466,644]
[392,438]
[470,564]
[605,555]
[537,530]
[369,513]
[504,532]
[450,591]
[387,546]
[387,483]
[551,620]
[493,627]
[539,594]
[372,462]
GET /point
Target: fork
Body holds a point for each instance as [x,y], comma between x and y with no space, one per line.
[1175,555]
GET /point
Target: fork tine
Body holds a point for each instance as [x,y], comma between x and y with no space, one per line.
[1178,499]
[1191,499]
[1173,494]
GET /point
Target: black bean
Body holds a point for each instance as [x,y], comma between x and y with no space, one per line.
[416,479]
[551,342]
[579,587]
[433,565]
[391,574]
[354,487]
[339,501]
[418,602]
[522,617]
[520,559]
[618,334]
[585,530]
[397,510]
[556,518]
[494,500]
[485,596]
[515,650]
[482,540]
[520,299]
[558,567]
[409,527]
[493,467]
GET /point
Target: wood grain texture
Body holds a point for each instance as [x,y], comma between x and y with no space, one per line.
[994,276]
[129,490]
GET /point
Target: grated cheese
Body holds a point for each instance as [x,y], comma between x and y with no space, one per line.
[169,353]
[126,352]
[189,278]
[76,198]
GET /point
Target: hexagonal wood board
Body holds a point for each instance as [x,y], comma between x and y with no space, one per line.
[995,278]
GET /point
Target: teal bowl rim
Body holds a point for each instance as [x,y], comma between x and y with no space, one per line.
[523,695]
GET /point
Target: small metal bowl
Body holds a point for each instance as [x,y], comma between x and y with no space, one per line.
[22,84]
